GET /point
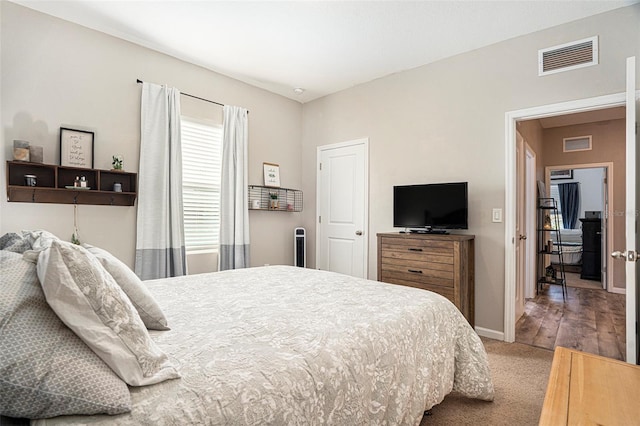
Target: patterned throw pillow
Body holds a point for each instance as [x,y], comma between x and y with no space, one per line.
[14,242]
[45,369]
[140,296]
[87,299]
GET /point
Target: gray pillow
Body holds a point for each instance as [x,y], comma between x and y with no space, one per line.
[14,242]
[45,369]
[141,298]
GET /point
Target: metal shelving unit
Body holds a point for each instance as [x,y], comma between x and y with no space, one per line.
[549,222]
[275,199]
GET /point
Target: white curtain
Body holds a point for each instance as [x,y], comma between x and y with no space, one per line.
[160,250]
[234,199]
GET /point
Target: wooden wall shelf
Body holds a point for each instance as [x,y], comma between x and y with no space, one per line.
[52,181]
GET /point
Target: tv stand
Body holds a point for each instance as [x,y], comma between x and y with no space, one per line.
[429,231]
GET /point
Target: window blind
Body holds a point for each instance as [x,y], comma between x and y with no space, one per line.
[201,165]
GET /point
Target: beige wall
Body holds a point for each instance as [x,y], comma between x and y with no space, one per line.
[57,74]
[532,133]
[446,122]
[608,143]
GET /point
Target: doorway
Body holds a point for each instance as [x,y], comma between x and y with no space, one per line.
[512,118]
[589,318]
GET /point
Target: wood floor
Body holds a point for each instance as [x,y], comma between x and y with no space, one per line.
[591,320]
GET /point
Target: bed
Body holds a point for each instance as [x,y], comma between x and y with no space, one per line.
[571,245]
[287,345]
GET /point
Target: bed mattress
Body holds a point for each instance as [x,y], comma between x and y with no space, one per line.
[285,345]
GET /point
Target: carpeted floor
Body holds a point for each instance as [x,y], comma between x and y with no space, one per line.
[520,374]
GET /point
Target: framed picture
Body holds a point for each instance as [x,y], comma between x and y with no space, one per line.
[271,175]
[562,174]
[76,148]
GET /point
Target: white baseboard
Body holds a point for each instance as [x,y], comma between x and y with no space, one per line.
[617,290]
[491,334]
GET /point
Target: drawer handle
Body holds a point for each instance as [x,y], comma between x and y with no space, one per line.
[415,249]
[414,271]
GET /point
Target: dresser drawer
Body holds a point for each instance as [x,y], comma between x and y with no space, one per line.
[420,272]
[415,245]
[447,292]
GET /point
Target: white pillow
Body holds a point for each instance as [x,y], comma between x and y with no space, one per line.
[89,302]
[39,239]
[140,296]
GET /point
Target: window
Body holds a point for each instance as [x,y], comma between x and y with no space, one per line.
[201,164]
[555,194]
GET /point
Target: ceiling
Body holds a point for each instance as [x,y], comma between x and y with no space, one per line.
[319,46]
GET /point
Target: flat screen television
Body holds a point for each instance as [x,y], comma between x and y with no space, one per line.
[428,207]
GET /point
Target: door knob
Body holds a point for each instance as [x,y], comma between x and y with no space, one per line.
[523,237]
[358,232]
[630,256]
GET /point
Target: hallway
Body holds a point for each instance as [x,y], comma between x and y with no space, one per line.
[591,319]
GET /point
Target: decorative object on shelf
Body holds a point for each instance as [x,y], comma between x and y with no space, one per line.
[271,175]
[550,272]
[117,187]
[116,162]
[76,148]
[36,154]
[30,180]
[76,182]
[547,222]
[20,150]
[75,237]
[255,204]
[273,200]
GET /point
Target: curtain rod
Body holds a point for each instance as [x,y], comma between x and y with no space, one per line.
[191,96]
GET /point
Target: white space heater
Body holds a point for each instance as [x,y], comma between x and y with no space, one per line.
[300,248]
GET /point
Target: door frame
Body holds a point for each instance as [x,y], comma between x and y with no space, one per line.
[366,240]
[608,237]
[511,118]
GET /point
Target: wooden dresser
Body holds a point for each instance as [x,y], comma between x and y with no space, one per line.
[587,389]
[440,263]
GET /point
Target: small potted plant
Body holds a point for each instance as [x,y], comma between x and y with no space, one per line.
[116,162]
[273,202]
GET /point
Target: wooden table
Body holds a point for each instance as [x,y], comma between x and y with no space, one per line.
[588,389]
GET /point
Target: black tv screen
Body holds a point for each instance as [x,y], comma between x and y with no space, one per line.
[437,205]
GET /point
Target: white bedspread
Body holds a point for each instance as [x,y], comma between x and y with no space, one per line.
[283,345]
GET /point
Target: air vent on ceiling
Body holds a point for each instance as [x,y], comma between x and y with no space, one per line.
[568,56]
[579,143]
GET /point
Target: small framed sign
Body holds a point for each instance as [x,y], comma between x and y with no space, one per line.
[76,148]
[271,175]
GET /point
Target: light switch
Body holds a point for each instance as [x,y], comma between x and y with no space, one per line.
[496,215]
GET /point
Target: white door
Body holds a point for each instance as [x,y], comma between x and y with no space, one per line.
[633,111]
[520,225]
[342,208]
[530,217]
[630,253]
